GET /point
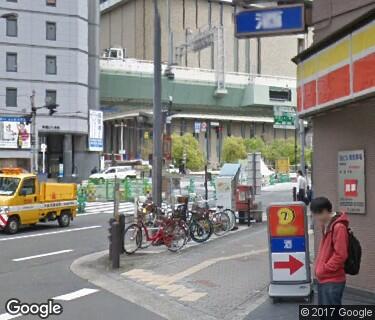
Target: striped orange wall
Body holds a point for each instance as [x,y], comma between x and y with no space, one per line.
[339,72]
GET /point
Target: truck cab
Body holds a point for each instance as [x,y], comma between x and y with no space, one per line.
[26,201]
[114,54]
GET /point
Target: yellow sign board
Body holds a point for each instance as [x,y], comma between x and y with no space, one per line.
[282,165]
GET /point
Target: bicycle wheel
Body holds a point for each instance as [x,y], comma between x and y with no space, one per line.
[232,217]
[132,239]
[178,238]
[200,230]
[221,223]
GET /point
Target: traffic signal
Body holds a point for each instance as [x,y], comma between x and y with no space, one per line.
[52,108]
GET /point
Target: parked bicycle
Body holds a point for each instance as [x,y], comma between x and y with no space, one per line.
[171,232]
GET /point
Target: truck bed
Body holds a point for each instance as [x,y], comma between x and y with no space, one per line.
[50,192]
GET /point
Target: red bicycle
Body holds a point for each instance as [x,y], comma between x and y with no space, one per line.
[171,232]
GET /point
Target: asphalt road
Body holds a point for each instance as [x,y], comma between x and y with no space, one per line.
[35,266]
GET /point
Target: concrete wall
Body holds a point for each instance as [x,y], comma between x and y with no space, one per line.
[348,129]
[331,15]
[130,25]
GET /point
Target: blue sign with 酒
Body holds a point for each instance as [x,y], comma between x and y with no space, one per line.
[289,244]
[270,21]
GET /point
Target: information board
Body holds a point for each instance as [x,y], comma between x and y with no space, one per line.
[351,180]
[96,130]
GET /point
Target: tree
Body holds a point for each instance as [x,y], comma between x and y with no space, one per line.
[233,149]
[255,144]
[188,144]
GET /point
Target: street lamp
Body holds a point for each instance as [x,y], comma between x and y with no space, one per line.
[52,110]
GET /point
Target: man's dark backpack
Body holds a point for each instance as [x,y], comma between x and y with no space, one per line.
[353,263]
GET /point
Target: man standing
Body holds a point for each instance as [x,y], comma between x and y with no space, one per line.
[333,252]
[302,184]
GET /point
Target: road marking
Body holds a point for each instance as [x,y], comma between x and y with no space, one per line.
[76,294]
[43,255]
[50,233]
[205,264]
[7,316]
[179,291]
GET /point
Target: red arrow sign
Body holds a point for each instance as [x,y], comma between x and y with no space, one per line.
[293,265]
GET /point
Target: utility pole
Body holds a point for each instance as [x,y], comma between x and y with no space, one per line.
[157,112]
[122,125]
[34,136]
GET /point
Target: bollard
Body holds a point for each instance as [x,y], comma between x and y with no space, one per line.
[294,194]
[116,245]
[110,237]
[122,231]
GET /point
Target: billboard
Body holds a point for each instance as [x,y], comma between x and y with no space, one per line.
[96,130]
[14,133]
[351,174]
[270,21]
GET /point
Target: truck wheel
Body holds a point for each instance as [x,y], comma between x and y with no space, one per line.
[64,219]
[13,225]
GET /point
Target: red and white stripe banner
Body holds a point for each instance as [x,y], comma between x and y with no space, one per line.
[3,220]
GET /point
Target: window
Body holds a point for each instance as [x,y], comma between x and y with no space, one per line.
[51,3]
[11,62]
[51,67]
[12,27]
[11,97]
[51,31]
[51,97]
[280,94]
[28,187]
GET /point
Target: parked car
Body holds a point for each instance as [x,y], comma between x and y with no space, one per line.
[111,173]
[293,176]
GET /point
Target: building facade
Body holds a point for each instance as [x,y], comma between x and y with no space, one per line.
[129,24]
[336,90]
[245,110]
[50,51]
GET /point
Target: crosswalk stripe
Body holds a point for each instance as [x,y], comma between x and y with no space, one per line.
[76,294]
[8,316]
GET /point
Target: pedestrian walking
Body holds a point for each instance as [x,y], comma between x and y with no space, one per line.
[302,186]
[333,251]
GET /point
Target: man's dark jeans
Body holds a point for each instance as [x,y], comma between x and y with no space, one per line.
[330,293]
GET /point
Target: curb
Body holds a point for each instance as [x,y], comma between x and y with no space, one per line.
[128,290]
[93,269]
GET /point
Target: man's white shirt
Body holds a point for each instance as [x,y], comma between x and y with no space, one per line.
[301,182]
